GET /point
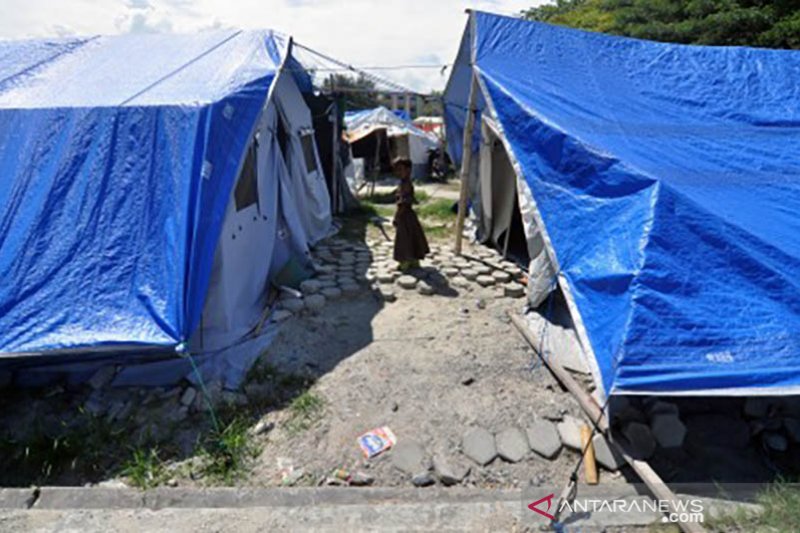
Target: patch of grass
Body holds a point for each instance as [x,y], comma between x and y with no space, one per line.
[440,209]
[305,410]
[389,197]
[84,450]
[377,210]
[262,372]
[294,381]
[437,231]
[227,454]
[145,469]
[781,512]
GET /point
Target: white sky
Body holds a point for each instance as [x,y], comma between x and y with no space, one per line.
[360,32]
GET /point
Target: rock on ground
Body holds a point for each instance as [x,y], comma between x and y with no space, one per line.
[512,445]
[331,292]
[314,302]
[569,430]
[668,430]
[407,282]
[513,290]
[479,445]
[310,286]
[543,438]
[387,294]
[606,457]
[485,281]
[294,305]
[449,470]
[409,457]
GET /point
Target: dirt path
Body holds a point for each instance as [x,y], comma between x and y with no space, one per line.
[429,367]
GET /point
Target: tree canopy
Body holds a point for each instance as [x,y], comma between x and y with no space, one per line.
[360,92]
[764,23]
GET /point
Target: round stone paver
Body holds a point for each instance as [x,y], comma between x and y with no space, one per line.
[292,304]
[310,286]
[483,270]
[387,294]
[350,289]
[315,302]
[479,445]
[460,282]
[331,292]
[450,271]
[512,445]
[384,277]
[425,289]
[469,273]
[514,290]
[407,282]
[501,277]
[485,281]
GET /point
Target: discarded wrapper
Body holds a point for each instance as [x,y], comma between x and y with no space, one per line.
[376,441]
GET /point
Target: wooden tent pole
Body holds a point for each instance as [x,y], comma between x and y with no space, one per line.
[466,161]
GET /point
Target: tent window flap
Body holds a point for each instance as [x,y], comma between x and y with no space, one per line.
[307,139]
[246,193]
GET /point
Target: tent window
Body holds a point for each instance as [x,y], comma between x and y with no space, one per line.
[283,140]
[246,193]
[308,151]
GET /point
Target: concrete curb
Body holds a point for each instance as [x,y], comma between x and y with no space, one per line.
[322,502]
[163,498]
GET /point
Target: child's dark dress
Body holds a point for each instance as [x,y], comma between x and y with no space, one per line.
[410,243]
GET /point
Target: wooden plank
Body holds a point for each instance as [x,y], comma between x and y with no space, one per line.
[650,478]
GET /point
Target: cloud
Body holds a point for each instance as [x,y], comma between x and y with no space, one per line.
[141,23]
[360,32]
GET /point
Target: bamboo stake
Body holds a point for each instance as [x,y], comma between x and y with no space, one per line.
[589,464]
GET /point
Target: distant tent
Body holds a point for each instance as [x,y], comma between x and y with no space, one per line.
[152,186]
[379,135]
[659,191]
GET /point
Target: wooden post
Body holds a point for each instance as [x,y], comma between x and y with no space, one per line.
[645,472]
[589,464]
[335,148]
[466,161]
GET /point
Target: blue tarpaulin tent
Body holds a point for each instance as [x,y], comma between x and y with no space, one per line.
[134,170]
[664,181]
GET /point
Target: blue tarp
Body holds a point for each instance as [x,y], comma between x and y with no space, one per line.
[117,158]
[668,180]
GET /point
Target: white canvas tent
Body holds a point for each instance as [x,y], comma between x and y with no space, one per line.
[281,174]
[405,139]
[180,176]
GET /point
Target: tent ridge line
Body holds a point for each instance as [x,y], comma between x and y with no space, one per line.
[180,68]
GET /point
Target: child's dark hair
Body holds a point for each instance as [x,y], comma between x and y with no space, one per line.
[402,163]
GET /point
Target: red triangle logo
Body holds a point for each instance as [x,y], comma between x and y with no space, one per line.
[549,499]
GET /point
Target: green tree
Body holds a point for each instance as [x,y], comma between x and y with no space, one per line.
[771,24]
[359,92]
